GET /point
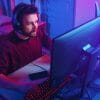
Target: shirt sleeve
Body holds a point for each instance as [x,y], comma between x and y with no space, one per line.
[4,62]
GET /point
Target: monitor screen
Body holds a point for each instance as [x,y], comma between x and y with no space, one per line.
[67,49]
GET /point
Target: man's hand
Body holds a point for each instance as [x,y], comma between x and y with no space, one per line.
[8,83]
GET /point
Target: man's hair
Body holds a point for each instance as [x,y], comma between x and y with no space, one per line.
[19,12]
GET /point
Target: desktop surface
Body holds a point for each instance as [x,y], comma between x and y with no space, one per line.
[39,65]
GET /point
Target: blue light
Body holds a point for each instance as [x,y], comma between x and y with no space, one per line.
[86,47]
[90,25]
[97,8]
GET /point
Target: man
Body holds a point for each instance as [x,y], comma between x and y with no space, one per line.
[24,44]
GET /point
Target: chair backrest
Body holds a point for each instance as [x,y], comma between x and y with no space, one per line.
[5,25]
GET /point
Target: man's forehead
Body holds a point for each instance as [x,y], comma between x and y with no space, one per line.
[30,17]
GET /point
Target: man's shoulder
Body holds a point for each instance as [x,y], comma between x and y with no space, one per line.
[5,41]
[5,36]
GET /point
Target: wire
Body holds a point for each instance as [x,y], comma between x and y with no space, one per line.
[40,67]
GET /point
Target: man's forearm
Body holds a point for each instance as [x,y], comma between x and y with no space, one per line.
[6,82]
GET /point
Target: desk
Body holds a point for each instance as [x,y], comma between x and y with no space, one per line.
[22,75]
[41,64]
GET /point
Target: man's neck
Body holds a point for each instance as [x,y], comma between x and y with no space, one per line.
[21,36]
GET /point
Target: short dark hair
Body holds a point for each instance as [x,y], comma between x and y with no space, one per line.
[19,12]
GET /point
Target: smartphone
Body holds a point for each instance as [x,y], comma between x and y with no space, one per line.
[38,75]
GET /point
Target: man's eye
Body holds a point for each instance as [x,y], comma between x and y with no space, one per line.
[29,23]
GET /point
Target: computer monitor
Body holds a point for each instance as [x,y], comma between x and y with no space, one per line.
[68,48]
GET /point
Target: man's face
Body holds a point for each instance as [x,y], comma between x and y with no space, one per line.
[30,24]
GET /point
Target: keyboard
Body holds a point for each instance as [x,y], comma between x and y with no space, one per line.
[40,92]
[44,92]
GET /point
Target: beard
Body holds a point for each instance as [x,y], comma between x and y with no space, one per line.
[31,34]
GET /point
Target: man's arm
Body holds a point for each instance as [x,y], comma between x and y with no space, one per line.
[8,83]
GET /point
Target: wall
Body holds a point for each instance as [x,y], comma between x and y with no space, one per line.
[59,15]
[19,1]
[6,7]
[85,11]
[63,15]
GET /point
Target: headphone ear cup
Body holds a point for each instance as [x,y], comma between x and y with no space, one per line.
[15,20]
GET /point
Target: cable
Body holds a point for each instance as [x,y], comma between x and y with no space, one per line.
[40,67]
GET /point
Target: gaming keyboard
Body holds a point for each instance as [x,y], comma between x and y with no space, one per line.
[44,92]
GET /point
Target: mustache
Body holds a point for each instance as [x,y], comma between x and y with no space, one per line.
[33,31]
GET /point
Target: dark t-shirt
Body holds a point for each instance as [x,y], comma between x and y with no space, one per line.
[15,53]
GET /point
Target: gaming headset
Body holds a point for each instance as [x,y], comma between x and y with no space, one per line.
[16,13]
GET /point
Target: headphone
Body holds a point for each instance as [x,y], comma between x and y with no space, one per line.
[16,16]
[18,13]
